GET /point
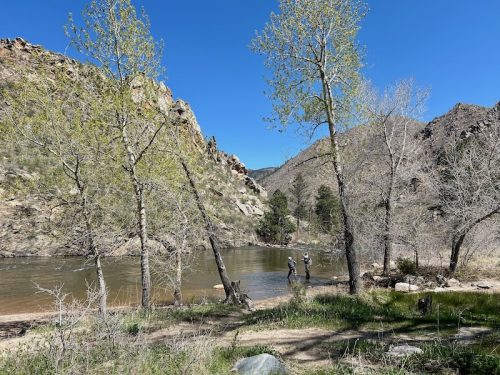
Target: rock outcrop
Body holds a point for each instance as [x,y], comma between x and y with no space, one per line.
[233,198]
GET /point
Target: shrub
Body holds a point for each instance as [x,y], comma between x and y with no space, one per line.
[407,266]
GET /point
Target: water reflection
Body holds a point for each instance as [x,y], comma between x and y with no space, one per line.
[262,272]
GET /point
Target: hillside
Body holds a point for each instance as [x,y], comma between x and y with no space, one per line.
[419,220]
[234,200]
[462,121]
[259,174]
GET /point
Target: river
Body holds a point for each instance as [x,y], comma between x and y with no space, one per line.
[262,272]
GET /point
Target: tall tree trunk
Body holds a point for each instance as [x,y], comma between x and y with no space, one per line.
[455,250]
[349,243]
[178,277]
[145,274]
[103,294]
[141,217]
[459,237]
[91,241]
[388,233]
[350,250]
[231,294]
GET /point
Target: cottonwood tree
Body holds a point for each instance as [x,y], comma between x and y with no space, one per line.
[181,152]
[119,42]
[181,229]
[470,183]
[311,49]
[60,114]
[300,197]
[393,117]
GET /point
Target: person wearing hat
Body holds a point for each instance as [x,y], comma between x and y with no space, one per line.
[291,267]
[307,263]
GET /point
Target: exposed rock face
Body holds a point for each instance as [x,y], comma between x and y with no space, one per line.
[462,121]
[235,166]
[234,200]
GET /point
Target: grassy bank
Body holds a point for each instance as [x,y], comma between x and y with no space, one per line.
[158,343]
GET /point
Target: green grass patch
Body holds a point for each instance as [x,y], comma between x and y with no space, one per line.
[170,359]
[438,357]
[385,309]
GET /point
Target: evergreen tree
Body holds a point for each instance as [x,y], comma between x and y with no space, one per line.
[327,209]
[300,196]
[276,226]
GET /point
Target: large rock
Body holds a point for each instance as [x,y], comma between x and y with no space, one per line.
[404,351]
[405,287]
[484,285]
[452,282]
[243,208]
[262,364]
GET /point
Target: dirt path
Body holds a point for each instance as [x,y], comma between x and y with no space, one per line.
[307,347]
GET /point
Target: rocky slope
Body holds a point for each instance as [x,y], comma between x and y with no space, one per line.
[259,174]
[462,121]
[234,199]
[417,204]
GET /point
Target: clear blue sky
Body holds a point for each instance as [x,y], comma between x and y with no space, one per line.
[451,46]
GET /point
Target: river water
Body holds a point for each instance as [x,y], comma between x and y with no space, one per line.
[262,271]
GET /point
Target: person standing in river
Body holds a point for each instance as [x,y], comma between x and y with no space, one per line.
[307,263]
[291,267]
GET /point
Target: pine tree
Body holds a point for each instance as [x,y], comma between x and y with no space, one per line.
[300,196]
[327,209]
[276,226]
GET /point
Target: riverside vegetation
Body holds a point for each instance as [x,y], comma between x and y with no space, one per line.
[350,334]
[98,159]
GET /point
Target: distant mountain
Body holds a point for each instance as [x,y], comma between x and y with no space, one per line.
[259,174]
[462,120]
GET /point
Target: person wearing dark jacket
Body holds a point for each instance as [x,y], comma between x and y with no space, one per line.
[307,264]
[291,267]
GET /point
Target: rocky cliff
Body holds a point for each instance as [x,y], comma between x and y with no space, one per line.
[234,199]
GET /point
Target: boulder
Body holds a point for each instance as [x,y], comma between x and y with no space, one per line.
[441,280]
[411,279]
[439,289]
[405,287]
[375,265]
[257,211]
[483,285]
[403,351]
[452,282]
[243,208]
[262,364]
